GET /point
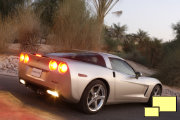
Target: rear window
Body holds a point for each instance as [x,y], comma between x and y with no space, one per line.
[92,58]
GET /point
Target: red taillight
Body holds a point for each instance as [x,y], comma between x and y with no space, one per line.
[21,58]
[52,65]
[62,68]
[26,58]
[38,55]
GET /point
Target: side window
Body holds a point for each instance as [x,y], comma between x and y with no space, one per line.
[121,66]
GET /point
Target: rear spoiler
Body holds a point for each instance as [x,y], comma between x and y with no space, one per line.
[35,54]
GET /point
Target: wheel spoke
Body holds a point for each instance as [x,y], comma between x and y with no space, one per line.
[91,102]
[92,91]
[101,97]
[157,92]
[96,104]
[99,89]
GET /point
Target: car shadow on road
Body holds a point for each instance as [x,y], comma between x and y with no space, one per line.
[70,111]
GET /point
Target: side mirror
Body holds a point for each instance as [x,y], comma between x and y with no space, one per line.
[138,74]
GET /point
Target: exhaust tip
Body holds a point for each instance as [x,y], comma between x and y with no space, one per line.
[22,81]
[53,93]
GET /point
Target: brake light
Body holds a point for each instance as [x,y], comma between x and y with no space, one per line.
[26,58]
[62,68]
[52,65]
[21,57]
[38,55]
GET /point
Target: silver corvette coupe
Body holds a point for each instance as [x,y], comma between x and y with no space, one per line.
[91,79]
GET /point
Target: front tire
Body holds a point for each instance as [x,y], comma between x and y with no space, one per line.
[94,97]
[157,91]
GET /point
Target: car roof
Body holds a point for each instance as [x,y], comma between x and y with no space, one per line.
[110,55]
[88,52]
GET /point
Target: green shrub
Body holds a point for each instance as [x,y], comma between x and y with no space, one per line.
[111,45]
[169,70]
[128,46]
[134,56]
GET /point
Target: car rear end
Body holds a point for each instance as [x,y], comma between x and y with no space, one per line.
[45,74]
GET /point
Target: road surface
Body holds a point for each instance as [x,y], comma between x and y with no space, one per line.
[66,111]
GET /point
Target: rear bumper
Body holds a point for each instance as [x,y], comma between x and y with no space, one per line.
[34,86]
[40,89]
[48,81]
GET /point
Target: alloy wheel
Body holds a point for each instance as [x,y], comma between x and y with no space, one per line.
[157,91]
[96,97]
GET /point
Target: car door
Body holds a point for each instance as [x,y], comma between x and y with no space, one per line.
[127,86]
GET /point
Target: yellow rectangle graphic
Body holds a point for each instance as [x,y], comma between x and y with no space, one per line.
[151,112]
[166,104]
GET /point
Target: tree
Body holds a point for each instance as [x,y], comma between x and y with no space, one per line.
[9,7]
[114,36]
[176,28]
[141,44]
[141,36]
[129,43]
[154,52]
[110,43]
[47,10]
[143,41]
[102,8]
[170,46]
[119,31]
[169,69]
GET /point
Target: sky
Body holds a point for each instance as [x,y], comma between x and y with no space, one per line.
[153,16]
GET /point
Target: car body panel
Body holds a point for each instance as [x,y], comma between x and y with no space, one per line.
[71,85]
[132,89]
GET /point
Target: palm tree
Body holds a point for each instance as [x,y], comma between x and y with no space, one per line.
[176,28]
[141,35]
[119,31]
[154,51]
[143,40]
[102,8]
[129,43]
[148,47]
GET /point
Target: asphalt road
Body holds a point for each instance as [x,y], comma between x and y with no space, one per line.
[68,111]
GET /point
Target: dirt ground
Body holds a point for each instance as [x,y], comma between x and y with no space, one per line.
[13,109]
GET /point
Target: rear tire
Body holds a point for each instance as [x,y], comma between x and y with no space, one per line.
[94,97]
[157,91]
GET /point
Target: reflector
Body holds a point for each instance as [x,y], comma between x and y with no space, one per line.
[38,55]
